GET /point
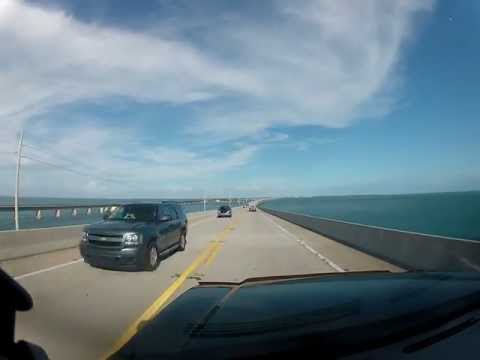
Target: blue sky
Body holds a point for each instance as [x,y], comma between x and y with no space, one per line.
[177,98]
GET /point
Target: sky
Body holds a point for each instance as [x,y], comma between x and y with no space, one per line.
[164,98]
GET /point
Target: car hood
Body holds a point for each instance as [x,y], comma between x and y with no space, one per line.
[114,226]
[334,312]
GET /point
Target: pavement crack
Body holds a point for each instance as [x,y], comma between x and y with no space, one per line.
[196,276]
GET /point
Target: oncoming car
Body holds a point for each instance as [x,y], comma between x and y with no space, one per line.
[135,236]
[224,211]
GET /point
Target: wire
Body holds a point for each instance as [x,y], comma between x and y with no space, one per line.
[70,161]
[32,147]
[48,152]
[62,167]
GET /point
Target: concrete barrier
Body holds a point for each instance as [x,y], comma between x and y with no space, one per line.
[22,243]
[408,250]
[15,244]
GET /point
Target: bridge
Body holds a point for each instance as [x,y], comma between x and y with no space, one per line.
[81,312]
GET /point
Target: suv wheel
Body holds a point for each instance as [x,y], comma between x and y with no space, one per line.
[182,244]
[152,260]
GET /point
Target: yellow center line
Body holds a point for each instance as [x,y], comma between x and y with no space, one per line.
[212,256]
[220,240]
[205,257]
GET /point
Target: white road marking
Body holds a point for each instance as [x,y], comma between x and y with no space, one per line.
[59,266]
[47,269]
[304,244]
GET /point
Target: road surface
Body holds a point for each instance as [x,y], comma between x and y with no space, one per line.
[81,312]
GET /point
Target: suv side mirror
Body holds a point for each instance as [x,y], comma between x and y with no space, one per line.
[107,213]
[165,218]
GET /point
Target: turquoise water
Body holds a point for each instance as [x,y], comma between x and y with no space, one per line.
[27,219]
[455,214]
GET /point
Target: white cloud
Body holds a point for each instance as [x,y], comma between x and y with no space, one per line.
[50,58]
[325,63]
[318,61]
[314,62]
[114,165]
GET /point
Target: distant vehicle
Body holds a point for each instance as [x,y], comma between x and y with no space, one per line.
[252,207]
[135,236]
[377,315]
[224,211]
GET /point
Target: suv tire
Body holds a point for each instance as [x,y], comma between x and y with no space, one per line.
[182,243]
[152,258]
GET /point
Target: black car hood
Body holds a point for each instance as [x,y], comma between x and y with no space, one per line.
[113,226]
[339,313]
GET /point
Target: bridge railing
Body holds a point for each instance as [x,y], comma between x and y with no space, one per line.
[59,211]
[57,215]
[39,216]
[408,250]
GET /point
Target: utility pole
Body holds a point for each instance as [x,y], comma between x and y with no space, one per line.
[204,202]
[17,184]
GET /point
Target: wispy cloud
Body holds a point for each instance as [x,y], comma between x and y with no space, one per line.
[312,62]
[50,58]
[115,166]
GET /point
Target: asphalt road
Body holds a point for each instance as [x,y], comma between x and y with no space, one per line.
[81,312]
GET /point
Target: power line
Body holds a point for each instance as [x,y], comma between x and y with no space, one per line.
[48,152]
[62,167]
[70,161]
[32,147]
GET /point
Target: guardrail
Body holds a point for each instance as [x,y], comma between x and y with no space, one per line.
[406,249]
[34,216]
[58,211]
[39,212]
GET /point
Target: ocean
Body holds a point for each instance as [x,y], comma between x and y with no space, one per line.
[27,218]
[453,214]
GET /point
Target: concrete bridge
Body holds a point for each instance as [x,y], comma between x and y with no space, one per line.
[81,312]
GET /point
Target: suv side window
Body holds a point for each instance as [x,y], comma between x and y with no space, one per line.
[172,212]
[162,211]
[180,211]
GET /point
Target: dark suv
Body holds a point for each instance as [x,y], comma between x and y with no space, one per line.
[135,236]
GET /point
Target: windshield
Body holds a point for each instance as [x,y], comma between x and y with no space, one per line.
[139,213]
[148,147]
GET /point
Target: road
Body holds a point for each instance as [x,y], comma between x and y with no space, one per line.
[81,312]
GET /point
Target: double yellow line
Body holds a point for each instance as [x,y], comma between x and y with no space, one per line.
[206,257]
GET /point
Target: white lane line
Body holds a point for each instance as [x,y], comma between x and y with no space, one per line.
[305,245]
[59,266]
[47,269]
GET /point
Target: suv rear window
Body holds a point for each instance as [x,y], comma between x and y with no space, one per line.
[142,213]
